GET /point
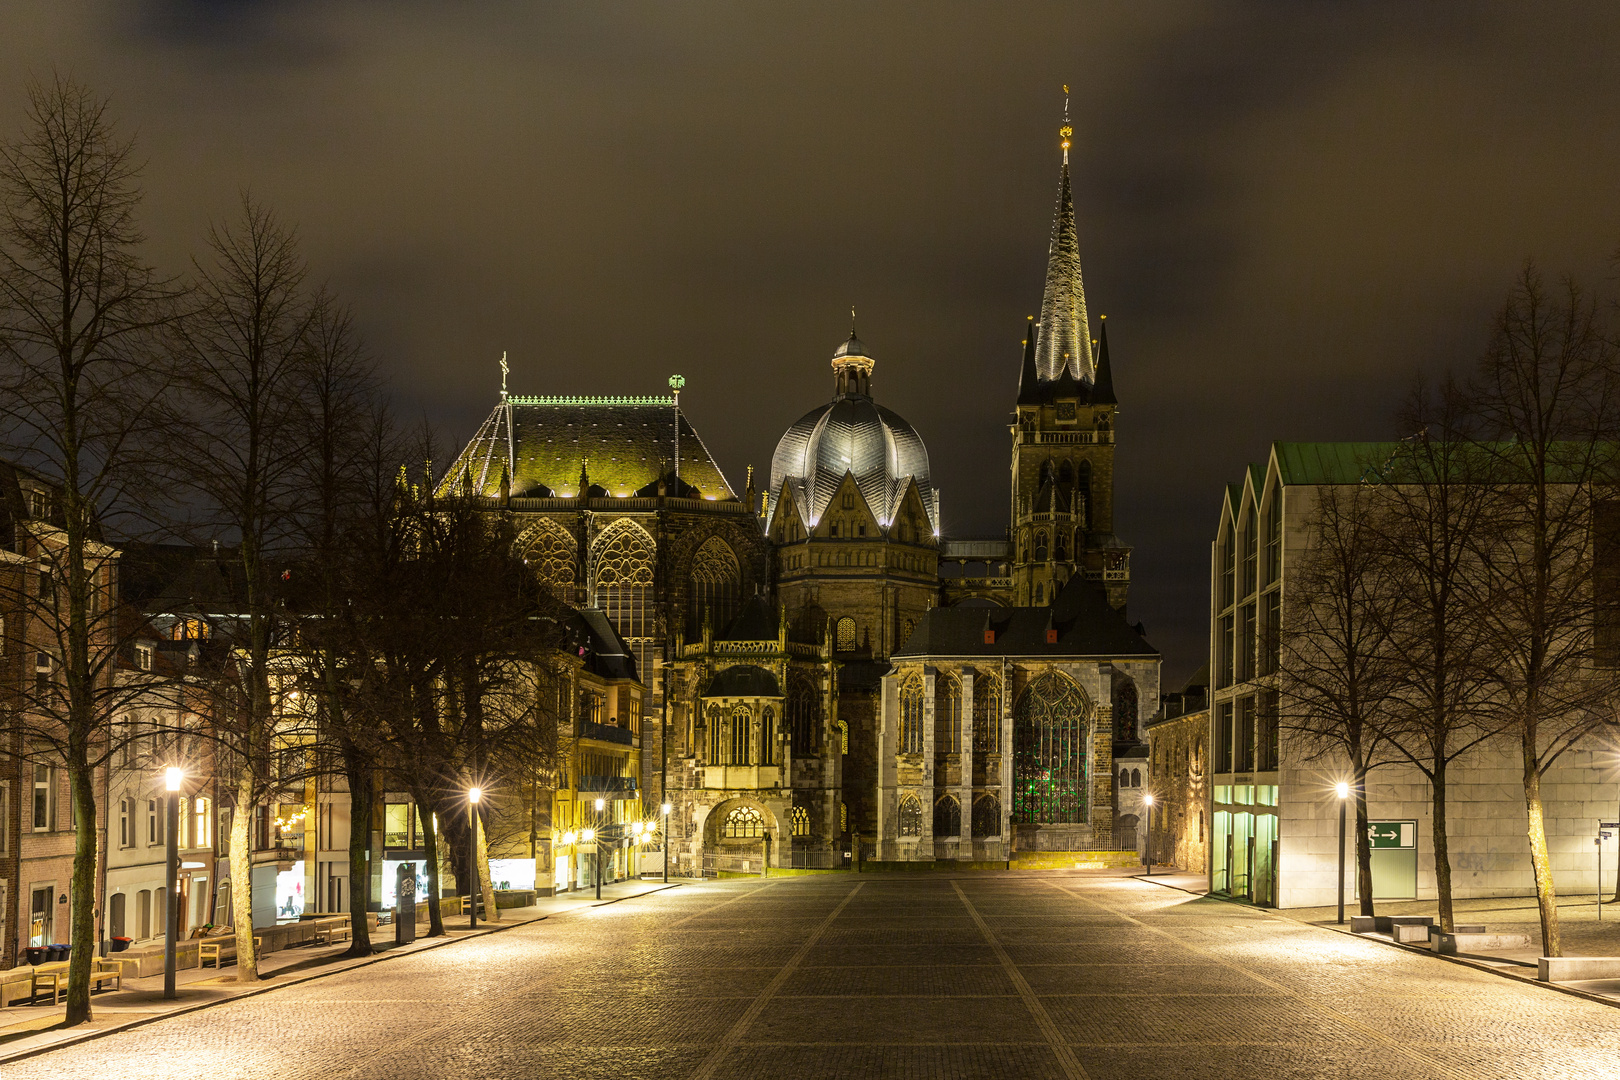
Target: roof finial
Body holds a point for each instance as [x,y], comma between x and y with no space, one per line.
[504,370]
[852,322]
[1067,130]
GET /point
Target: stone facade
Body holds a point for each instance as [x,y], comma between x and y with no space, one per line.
[1178,762]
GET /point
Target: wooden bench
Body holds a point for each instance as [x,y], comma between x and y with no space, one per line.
[221,949]
[332,929]
[55,976]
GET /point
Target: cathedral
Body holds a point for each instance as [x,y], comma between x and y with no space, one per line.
[829,680]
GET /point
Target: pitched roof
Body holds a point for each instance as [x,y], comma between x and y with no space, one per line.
[624,443]
[757,621]
[1065,337]
[743,680]
[1086,623]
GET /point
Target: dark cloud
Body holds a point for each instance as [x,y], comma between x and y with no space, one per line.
[1285,208]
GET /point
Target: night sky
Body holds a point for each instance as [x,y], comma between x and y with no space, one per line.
[1285,209]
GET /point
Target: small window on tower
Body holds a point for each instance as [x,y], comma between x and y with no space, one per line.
[832,528]
[849,500]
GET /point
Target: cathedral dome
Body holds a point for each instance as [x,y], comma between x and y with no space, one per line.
[852,434]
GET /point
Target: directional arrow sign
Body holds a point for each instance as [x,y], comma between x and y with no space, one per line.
[1391,834]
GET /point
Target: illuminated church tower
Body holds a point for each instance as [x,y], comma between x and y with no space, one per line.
[1062,510]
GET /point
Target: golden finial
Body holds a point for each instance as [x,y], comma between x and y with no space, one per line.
[1067,130]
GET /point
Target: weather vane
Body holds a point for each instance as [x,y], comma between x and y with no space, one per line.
[504,370]
[1067,130]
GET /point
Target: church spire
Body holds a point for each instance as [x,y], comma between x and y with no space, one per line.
[1102,391]
[1065,336]
[1029,382]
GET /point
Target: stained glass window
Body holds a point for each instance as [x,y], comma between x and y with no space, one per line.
[743,823]
[550,555]
[910,816]
[1049,752]
[715,588]
[986,714]
[948,817]
[911,716]
[846,635]
[622,569]
[986,817]
[801,821]
[804,715]
[947,714]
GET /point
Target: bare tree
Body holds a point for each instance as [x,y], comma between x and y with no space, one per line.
[1433,539]
[77,390]
[244,349]
[1337,672]
[1545,400]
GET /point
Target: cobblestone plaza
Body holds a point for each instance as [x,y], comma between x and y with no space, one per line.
[1031,975]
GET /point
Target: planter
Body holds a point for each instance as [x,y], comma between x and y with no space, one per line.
[119,944]
[36,954]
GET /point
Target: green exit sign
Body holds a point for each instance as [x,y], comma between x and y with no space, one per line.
[1392,834]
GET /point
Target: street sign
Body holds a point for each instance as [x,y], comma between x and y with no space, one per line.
[1609,824]
[1392,834]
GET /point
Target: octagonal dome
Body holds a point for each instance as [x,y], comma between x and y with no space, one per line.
[852,434]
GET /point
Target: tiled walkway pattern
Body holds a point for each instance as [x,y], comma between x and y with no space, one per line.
[978,975]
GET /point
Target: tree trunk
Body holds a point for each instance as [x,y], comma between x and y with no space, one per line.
[247,958]
[82,892]
[430,854]
[1546,892]
[1364,883]
[362,794]
[486,886]
[1442,849]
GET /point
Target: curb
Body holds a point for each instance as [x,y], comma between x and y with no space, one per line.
[379,958]
[1462,961]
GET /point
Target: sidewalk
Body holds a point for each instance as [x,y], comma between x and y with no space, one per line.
[28,1029]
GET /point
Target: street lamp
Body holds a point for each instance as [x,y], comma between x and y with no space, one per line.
[1148,800]
[666,843]
[473,795]
[600,804]
[171,915]
[1342,790]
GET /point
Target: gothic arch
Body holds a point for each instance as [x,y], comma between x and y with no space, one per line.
[1049,751]
[911,715]
[804,715]
[552,554]
[1125,710]
[714,587]
[621,567]
[947,713]
[986,713]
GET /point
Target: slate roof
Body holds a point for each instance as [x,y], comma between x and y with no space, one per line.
[160,579]
[757,621]
[606,653]
[1086,623]
[624,444]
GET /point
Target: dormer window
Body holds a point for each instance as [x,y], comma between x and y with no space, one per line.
[39,504]
[143,656]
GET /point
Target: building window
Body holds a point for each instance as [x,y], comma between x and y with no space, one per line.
[801,821]
[1223,737]
[715,588]
[910,815]
[154,827]
[842,728]
[986,817]
[1267,739]
[743,823]
[1040,545]
[551,556]
[47,583]
[143,656]
[1223,644]
[42,679]
[1124,779]
[804,715]
[1271,634]
[202,828]
[1228,555]
[742,720]
[126,823]
[947,817]
[911,716]
[1125,710]
[622,566]
[1136,778]
[1251,542]
[1274,534]
[5,816]
[1245,735]
[848,501]
[947,714]
[1246,643]
[44,798]
[397,825]
[845,638]
[1049,752]
[986,714]
[767,736]
[843,817]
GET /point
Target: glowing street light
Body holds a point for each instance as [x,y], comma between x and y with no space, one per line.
[666,808]
[172,777]
[1342,790]
[473,795]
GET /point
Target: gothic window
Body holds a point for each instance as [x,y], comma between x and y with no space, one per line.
[1124,778]
[848,501]
[1046,472]
[767,737]
[843,817]
[947,714]
[1082,495]
[910,816]
[743,823]
[911,716]
[741,721]
[906,629]
[845,638]
[986,714]
[804,715]
[801,821]
[948,817]
[622,574]
[1066,473]
[1049,753]
[1062,548]
[718,746]
[1040,545]
[1125,710]
[715,588]
[986,817]
[550,556]
[842,728]
[1040,594]
[1136,778]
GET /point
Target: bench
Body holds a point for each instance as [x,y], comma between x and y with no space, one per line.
[1577,968]
[330,930]
[221,949]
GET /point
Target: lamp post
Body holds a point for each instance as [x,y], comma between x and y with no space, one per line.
[171,869]
[1342,790]
[600,803]
[1148,801]
[588,836]
[473,795]
[666,843]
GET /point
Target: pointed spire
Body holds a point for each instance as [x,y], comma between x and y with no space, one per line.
[1102,391]
[584,481]
[1065,336]
[1029,383]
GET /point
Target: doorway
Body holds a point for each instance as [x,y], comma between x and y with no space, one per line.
[39,915]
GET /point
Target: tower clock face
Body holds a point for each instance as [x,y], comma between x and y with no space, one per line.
[1065,410]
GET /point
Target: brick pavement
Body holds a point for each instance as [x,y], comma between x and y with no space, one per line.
[1033,975]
